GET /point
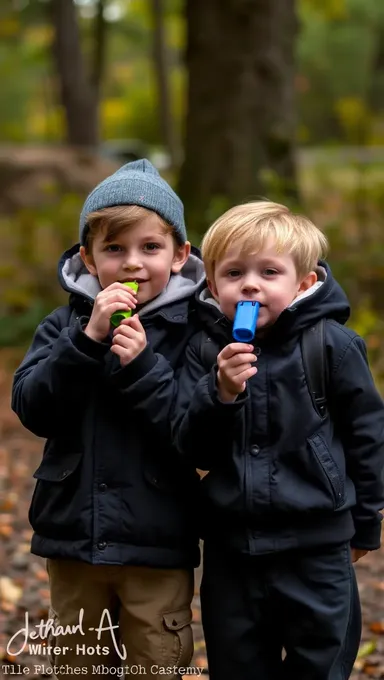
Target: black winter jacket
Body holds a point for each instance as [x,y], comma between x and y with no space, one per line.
[279,476]
[110,488]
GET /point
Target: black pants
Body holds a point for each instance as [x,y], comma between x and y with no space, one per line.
[306,603]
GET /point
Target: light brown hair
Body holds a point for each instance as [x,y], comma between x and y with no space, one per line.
[117,219]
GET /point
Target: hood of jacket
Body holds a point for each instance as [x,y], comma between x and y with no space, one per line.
[326,299]
[77,281]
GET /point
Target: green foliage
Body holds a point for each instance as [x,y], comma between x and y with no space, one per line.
[347,202]
[340,88]
[18,330]
[339,73]
[129,109]
[340,83]
[33,241]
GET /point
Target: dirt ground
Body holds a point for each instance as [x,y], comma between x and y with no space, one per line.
[23,580]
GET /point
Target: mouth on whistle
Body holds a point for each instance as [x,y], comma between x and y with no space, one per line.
[245,321]
[252,301]
[134,279]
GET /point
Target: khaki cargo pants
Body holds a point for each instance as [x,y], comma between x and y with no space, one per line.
[150,609]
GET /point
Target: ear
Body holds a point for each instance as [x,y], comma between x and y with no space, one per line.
[213,289]
[180,257]
[88,261]
[308,282]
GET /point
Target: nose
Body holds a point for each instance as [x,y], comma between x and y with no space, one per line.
[132,261]
[250,284]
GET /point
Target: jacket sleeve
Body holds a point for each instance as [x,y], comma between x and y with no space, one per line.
[55,376]
[360,415]
[204,427]
[148,385]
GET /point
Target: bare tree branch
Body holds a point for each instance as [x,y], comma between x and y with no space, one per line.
[100,35]
[160,58]
[78,96]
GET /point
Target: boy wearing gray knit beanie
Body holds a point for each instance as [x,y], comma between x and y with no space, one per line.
[113,508]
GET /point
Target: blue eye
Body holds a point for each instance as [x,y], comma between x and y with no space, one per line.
[233,273]
[270,272]
[151,246]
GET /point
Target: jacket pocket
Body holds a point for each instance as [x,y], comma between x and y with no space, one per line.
[55,500]
[329,468]
[56,469]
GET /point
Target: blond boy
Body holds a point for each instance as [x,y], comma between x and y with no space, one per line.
[292,497]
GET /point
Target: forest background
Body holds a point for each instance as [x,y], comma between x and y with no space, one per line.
[232,100]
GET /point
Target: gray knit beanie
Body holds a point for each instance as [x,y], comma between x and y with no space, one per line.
[136,183]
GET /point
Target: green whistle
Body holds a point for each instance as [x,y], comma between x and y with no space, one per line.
[117,317]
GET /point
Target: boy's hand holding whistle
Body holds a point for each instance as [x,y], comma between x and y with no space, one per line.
[129,338]
[235,360]
[116,297]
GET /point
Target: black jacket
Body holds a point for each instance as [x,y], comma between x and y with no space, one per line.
[111,488]
[279,476]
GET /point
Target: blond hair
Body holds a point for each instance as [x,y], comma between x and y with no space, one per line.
[117,219]
[250,225]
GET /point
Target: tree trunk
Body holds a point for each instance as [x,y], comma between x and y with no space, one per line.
[78,94]
[99,51]
[241,114]
[160,59]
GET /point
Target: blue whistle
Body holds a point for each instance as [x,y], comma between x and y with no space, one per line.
[244,325]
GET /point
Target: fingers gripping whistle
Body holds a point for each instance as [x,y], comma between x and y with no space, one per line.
[244,325]
[117,317]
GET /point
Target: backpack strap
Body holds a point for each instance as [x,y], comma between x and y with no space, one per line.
[315,365]
[208,351]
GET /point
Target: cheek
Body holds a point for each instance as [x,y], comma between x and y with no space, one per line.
[283,297]
[159,271]
[223,287]
[228,297]
[107,263]
[230,290]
